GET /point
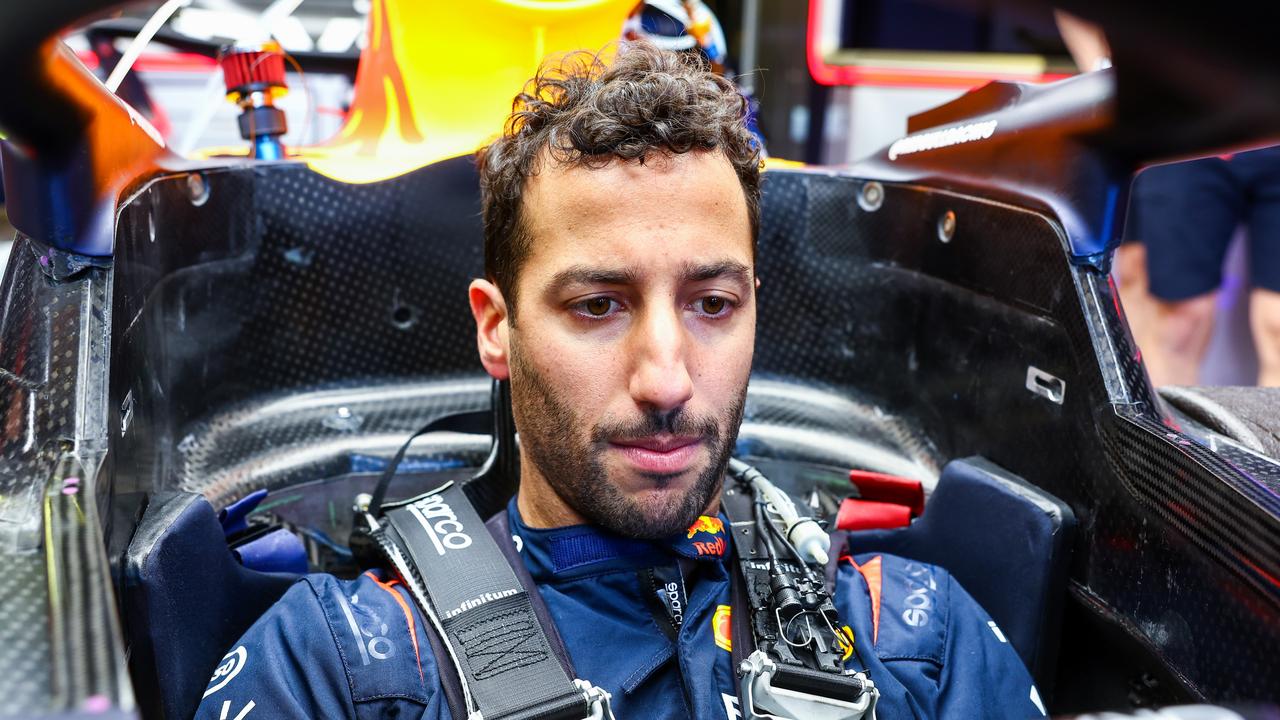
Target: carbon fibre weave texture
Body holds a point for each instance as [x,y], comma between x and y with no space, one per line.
[39,362]
[24,635]
[289,314]
[875,307]
[334,323]
[1214,618]
[58,633]
[1201,593]
[1263,470]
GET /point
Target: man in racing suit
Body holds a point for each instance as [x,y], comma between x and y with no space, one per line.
[620,210]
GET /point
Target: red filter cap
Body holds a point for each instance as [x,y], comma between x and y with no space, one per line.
[248,70]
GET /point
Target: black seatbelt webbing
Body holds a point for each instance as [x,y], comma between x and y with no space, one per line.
[500,528]
[497,640]
[737,507]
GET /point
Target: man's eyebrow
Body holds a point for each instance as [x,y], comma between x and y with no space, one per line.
[728,269]
[587,275]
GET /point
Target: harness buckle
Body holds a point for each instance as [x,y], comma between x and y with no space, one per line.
[757,692]
[597,700]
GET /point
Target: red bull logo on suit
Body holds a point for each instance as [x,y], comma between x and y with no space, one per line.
[706,524]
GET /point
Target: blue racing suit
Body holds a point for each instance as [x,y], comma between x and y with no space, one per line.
[357,648]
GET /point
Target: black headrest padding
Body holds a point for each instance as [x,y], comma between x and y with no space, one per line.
[497,480]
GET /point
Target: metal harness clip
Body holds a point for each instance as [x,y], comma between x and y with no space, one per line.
[597,699]
[757,692]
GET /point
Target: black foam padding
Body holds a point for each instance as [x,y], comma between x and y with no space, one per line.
[1006,541]
[185,601]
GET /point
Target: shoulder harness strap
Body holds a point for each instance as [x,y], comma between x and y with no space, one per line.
[484,614]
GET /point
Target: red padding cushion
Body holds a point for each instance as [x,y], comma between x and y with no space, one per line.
[856,514]
[889,489]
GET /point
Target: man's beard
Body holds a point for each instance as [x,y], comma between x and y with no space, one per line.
[550,433]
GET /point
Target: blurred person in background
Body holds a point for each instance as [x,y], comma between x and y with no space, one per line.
[1090,51]
[1181,220]
[1186,213]
[689,26]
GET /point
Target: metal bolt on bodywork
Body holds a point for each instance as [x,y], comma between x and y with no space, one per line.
[871,197]
[947,226]
[344,420]
[197,189]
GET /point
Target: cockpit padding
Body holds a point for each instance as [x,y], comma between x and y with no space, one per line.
[185,601]
[1006,541]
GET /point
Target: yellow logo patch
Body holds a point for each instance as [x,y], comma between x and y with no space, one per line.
[721,623]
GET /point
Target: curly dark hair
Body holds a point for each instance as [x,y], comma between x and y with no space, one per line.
[585,112]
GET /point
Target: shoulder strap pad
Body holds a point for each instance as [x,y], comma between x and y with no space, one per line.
[484,615]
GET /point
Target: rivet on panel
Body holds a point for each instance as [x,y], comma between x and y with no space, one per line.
[343,420]
[197,189]
[871,197]
[947,226]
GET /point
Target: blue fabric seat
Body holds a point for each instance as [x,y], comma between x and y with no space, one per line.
[1006,541]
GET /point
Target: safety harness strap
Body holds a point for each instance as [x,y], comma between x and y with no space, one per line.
[500,529]
[468,590]
[735,503]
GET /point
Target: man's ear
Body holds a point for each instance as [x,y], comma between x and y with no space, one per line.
[489,309]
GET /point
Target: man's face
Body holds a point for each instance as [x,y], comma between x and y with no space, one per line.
[632,342]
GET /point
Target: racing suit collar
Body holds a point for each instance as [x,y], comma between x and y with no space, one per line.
[582,550]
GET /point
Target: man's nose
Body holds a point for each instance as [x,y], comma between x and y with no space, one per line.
[660,376]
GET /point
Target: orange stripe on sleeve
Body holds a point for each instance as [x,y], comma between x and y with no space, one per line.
[870,572]
[408,617]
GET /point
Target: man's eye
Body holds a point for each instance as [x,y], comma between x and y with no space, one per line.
[598,306]
[712,305]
